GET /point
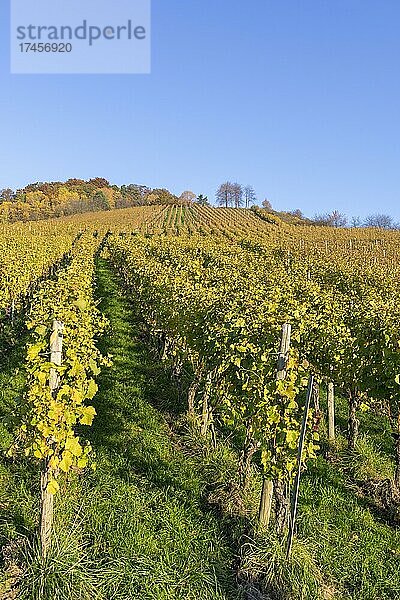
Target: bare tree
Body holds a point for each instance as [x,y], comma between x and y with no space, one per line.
[249,196]
[322,219]
[381,221]
[338,219]
[225,195]
[237,193]
[297,213]
[356,222]
[267,204]
[333,219]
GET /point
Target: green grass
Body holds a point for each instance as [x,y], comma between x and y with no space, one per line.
[348,542]
[19,486]
[344,548]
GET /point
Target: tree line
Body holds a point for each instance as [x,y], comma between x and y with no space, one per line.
[45,200]
[338,219]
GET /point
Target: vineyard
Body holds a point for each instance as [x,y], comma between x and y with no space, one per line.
[199,403]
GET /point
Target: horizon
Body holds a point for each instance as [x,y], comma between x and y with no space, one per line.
[350,221]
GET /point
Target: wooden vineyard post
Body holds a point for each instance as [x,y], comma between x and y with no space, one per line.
[295,496]
[331,411]
[265,503]
[206,416]
[284,351]
[56,342]
[47,499]
[264,513]
[46,517]
[316,397]
[12,311]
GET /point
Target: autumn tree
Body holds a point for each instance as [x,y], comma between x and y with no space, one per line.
[6,195]
[188,197]
[100,201]
[161,196]
[237,195]
[99,182]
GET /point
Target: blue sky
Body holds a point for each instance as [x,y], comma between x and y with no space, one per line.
[299,98]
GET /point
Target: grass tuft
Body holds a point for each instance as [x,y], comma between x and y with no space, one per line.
[299,578]
[367,462]
[66,573]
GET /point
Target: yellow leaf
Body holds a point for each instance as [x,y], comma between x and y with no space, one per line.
[66,461]
[33,351]
[53,487]
[88,415]
[73,446]
[92,389]
[41,330]
[82,462]
[81,304]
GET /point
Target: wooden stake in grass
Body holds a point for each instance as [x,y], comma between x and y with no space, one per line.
[331,412]
[206,411]
[46,517]
[265,503]
[12,311]
[268,486]
[47,499]
[295,496]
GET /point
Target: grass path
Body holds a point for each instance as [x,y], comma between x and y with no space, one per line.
[143,506]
